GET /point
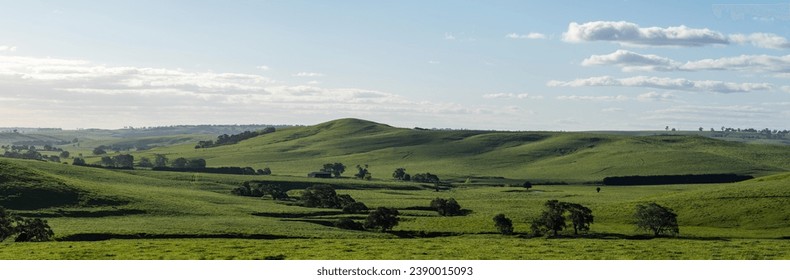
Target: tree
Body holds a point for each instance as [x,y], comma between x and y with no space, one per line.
[33,230]
[527,185]
[581,217]
[179,163]
[197,163]
[334,168]
[65,154]
[656,218]
[78,161]
[145,162]
[503,224]
[123,161]
[347,223]
[99,151]
[264,171]
[446,207]
[160,160]
[400,174]
[320,196]
[7,221]
[107,161]
[363,172]
[551,219]
[383,218]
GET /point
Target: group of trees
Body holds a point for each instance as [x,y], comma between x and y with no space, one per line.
[363,172]
[382,219]
[226,139]
[261,190]
[554,216]
[324,196]
[446,207]
[335,169]
[23,229]
[425,178]
[31,152]
[118,161]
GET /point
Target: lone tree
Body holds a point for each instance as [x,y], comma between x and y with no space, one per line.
[383,218]
[363,172]
[503,224]
[527,185]
[446,207]
[33,230]
[7,221]
[656,218]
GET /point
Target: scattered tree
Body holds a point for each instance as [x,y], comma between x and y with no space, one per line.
[78,161]
[363,172]
[400,174]
[160,160]
[503,224]
[551,219]
[527,185]
[335,168]
[383,218]
[355,207]
[65,154]
[7,221]
[446,207]
[145,162]
[179,163]
[348,223]
[99,151]
[656,218]
[33,230]
[581,217]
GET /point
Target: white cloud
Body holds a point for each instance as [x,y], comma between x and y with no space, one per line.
[449,36]
[7,48]
[664,83]
[612,110]
[631,61]
[308,74]
[631,33]
[531,35]
[263,67]
[47,92]
[503,95]
[593,97]
[786,89]
[762,40]
[433,62]
[655,96]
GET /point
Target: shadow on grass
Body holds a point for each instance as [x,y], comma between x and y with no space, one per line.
[421,234]
[298,215]
[85,213]
[616,236]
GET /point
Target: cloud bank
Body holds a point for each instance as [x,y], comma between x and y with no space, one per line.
[664,83]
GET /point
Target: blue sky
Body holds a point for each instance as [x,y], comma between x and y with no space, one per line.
[514,65]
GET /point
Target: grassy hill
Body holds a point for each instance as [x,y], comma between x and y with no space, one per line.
[538,156]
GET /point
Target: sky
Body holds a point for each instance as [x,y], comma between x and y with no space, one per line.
[503,65]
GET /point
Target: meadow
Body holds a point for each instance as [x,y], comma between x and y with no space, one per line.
[144,214]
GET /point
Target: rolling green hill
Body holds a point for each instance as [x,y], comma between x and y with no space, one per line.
[571,157]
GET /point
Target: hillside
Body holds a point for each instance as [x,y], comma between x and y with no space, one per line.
[571,157]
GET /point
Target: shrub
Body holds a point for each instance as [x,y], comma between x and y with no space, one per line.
[383,218]
[446,207]
[347,223]
[503,224]
[355,207]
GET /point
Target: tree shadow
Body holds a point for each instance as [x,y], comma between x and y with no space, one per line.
[85,213]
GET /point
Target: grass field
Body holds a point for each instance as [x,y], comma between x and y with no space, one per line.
[142,214]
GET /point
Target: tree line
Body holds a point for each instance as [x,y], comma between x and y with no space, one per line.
[226,139]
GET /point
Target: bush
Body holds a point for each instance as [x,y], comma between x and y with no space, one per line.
[446,207]
[383,218]
[503,224]
[355,207]
[33,230]
[347,223]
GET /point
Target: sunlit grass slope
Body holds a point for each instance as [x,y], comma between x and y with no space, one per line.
[538,156]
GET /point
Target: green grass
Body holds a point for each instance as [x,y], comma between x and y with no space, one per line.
[143,214]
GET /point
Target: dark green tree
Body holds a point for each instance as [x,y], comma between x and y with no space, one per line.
[347,223]
[656,218]
[7,224]
[145,162]
[335,168]
[123,161]
[99,151]
[527,185]
[551,219]
[320,196]
[65,154]
[503,224]
[179,163]
[160,160]
[363,172]
[197,163]
[33,230]
[400,174]
[78,161]
[107,161]
[355,207]
[446,207]
[382,218]
[581,217]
